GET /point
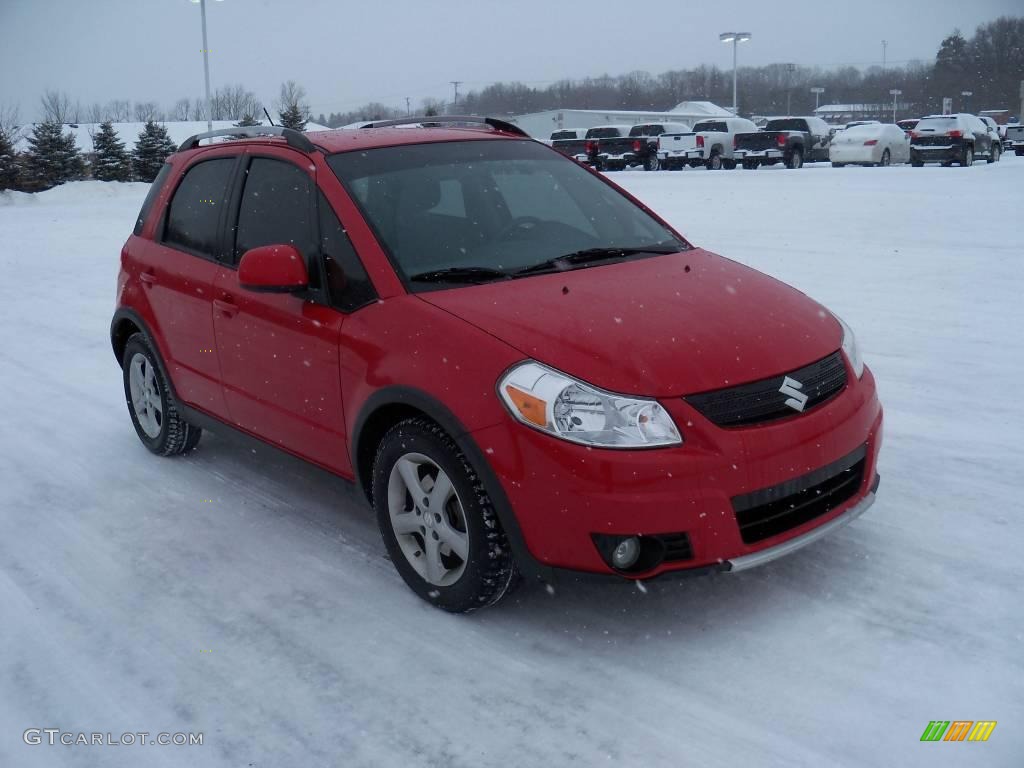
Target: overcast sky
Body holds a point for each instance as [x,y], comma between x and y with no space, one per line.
[347,53]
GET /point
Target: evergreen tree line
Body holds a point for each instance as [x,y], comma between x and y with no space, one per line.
[990,65]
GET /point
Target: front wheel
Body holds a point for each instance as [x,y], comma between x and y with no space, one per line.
[151,405]
[438,522]
[729,164]
[993,156]
[652,163]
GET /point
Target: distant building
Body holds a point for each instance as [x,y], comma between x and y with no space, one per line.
[541,124]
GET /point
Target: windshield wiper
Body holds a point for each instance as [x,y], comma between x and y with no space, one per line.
[461,275]
[591,255]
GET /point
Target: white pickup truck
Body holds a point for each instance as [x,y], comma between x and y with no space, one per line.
[709,144]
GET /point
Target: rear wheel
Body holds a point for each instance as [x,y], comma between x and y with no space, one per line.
[993,156]
[438,522]
[796,160]
[151,405]
[886,159]
[714,163]
[967,157]
[652,163]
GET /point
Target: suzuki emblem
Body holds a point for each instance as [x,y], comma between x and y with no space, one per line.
[797,399]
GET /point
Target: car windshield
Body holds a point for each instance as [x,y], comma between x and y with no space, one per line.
[792,124]
[500,206]
[559,135]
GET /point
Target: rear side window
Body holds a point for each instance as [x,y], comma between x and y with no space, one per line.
[277,208]
[647,130]
[603,133]
[560,135]
[794,124]
[711,126]
[194,213]
[154,190]
[348,286]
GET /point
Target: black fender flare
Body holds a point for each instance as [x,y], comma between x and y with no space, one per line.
[123,314]
[440,413]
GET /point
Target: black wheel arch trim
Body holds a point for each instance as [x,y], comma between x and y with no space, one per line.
[123,314]
[529,566]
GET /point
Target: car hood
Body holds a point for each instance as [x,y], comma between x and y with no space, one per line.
[662,326]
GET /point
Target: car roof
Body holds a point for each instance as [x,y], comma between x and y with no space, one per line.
[358,139]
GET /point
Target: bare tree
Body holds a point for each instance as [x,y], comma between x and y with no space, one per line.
[56,106]
[95,113]
[232,102]
[182,109]
[10,124]
[119,110]
[199,111]
[146,111]
[291,97]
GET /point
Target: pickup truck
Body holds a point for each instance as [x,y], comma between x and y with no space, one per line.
[639,147]
[709,144]
[594,135]
[569,141]
[790,140]
[1014,139]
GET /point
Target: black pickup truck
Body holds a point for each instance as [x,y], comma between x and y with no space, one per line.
[640,147]
[569,141]
[790,140]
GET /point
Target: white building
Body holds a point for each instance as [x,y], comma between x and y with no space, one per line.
[541,124]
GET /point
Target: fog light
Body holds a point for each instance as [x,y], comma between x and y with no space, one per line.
[624,555]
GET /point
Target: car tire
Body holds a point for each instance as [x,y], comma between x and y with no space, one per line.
[838,165]
[154,412]
[967,157]
[886,159]
[652,163]
[729,164]
[750,165]
[795,160]
[993,155]
[416,458]
[916,164]
[714,162]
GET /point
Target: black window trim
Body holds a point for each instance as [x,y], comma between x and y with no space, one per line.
[161,229]
[372,299]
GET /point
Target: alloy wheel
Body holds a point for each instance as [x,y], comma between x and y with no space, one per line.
[145,391]
[428,519]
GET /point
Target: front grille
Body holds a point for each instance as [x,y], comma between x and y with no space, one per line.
[771,511]
[763,401]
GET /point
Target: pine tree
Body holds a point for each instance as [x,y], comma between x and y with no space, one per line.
[111,162]
[52,157]
[293,117]
[9,167]
[151,150]
[247,121]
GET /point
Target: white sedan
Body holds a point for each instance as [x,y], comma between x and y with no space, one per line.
[871,144]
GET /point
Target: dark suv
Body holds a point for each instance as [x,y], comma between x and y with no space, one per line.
[949,139]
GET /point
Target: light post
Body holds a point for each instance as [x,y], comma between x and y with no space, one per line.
[735,38]
[206,63]
[894,93]
[966,95]
[817,94]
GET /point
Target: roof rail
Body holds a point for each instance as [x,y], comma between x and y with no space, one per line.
[294,138]
[498,125]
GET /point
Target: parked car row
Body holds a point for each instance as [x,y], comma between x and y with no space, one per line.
[727,142]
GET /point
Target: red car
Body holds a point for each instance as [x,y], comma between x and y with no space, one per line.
[523,368]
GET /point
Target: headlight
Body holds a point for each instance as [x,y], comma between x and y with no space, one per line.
[564,407]
[850,348]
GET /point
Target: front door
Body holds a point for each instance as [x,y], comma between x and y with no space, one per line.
[279,352]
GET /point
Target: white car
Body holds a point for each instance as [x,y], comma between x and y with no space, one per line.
[870,144]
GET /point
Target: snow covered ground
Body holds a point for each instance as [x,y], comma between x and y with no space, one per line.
[247,596]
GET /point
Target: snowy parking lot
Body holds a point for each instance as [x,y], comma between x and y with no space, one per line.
[246,596]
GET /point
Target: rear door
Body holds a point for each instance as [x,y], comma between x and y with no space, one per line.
[279,352]
[178,269]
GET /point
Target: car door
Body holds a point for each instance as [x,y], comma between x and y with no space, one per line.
[819,140]
[178,269]
[279,352]
[982,138]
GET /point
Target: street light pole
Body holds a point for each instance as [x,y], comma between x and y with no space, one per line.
[735,38]
[966,95]
[206,64]
[817,94]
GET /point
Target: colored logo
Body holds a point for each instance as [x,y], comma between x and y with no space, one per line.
[791,388]
[958,730]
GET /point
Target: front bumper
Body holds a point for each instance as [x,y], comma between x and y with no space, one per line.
[563,494]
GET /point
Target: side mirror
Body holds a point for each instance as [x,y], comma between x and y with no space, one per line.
[273,269]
